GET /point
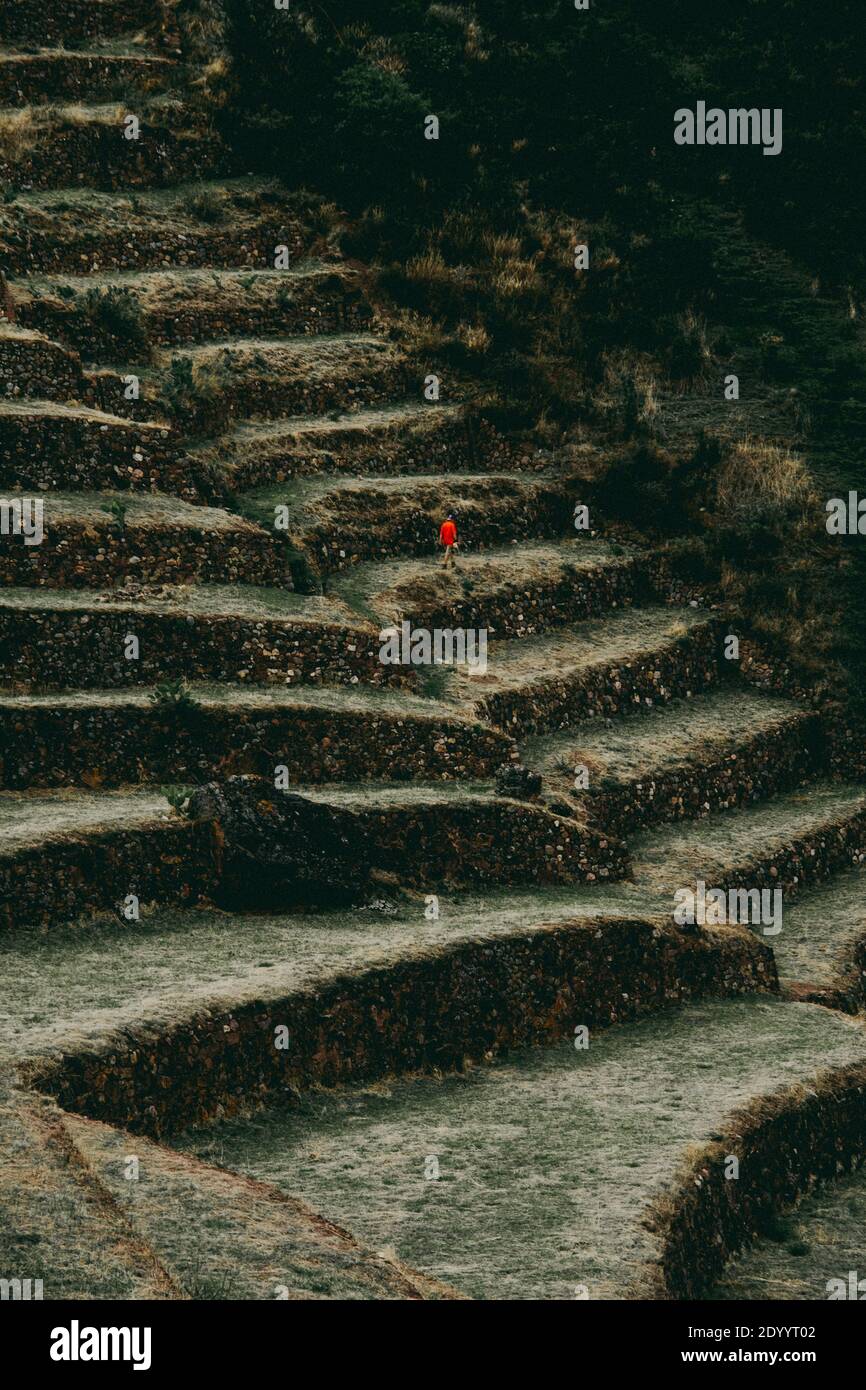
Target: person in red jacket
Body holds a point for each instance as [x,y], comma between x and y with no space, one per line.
[448,538]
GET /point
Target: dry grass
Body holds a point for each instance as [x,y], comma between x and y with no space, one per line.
[627,398]
[19,131]
[760,480]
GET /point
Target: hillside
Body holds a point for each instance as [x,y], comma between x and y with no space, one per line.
[427,1026]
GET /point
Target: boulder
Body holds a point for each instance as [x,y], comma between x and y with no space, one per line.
[279,850]
[518,781]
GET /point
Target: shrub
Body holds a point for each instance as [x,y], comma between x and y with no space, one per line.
[117,312]
[173,694]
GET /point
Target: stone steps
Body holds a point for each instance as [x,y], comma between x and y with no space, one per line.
[95,848]
[49,445]
[39,146]
[721,749]
[93,75]
[631,658]
[338,521]
[207,223]
[238,633]
[563,1153]
[400,439]
[247,376]
[96,540]
[103,315]
[516,590]
[116,738]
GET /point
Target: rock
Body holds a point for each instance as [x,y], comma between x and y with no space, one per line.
[280,849]
[518,781]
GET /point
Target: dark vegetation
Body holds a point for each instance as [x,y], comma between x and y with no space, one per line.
[556,128]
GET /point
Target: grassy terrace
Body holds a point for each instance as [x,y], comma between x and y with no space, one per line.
[381,590]
[187,1230]
[821,1240]
[619,638]
[147,512]
[672,857]
[360,700]
[37,816]
[82,981]
[325,431]
[161,289]
[206,600]
[821,929]
[61,1229]
[313,357]
[221,222]
[657,740]
[59,410]
[547,1161]
[418,489]
[218,1235]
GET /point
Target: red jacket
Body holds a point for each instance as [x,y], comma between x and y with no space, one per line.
[448,532]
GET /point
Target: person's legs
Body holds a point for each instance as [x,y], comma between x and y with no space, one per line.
[449,557]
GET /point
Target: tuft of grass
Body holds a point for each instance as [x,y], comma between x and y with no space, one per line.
[759,481]
[173,694]
[206,205]
[184,389]
[117,510]
[177,798]
[19,131]
[117,311]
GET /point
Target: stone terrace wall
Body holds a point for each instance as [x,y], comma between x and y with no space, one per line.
[26,250]
[454,1005]
[786,1144]
[77,555]
[690,664]
[323,305]
[538,603]
[32,366]
[805,861]
[442,446]
[761,767]
[57,648]
[72,451]
[123,743]
[363,525]
[492,842]
[159,157]
[33,22]
[58,880]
